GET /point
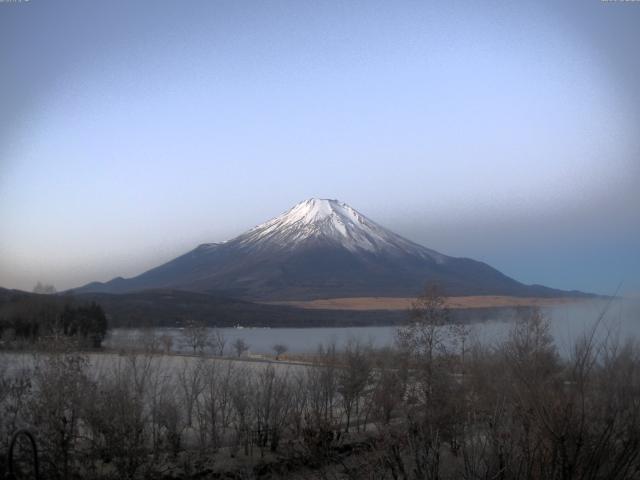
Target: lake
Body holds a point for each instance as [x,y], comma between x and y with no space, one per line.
[568,322]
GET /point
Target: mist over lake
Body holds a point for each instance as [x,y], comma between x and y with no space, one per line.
[618,319]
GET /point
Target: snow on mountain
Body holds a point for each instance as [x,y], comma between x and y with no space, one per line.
[332,221]
[320,248]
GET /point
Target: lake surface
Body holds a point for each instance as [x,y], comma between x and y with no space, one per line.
[568,323]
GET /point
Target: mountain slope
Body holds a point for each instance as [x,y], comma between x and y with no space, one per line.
[321,248]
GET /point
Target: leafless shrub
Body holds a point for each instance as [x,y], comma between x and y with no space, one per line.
[115,419]
[271,403]
[353,379]
[169,420]
[191,384]
[148,341]
[388,392]
[279,350]
[166,341]
[60,384]
[218,342]
[195,336]
[299,402]
[240,394]
[240,347]
[213,406]
[15,390]
[322,386]
[424,337]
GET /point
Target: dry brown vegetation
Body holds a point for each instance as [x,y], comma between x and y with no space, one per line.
[434,407]
[403,303]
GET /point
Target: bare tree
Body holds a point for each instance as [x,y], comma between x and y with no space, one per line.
[299,402]
[423,336]
[213,407]
[148,340]
[322,386]
[60,386]
[388,388]
[271,402]
[240,347]
[279,349]
[240,395]
[196,336]
[460,332]
[424,341]
[15,393]
[353,378]
[167,343]
[115,417]
[218,341]
[530,349]
[191,382]
[169,420]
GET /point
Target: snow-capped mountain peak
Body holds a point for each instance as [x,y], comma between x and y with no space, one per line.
[320,249]
[318,210]
[315,209]
[332,221]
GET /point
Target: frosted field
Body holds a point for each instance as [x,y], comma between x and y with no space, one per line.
[104,363]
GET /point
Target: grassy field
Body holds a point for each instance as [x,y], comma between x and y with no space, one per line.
[403,303]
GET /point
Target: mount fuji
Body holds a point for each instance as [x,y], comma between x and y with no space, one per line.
[321,248]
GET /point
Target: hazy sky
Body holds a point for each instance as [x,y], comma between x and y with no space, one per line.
[508,132]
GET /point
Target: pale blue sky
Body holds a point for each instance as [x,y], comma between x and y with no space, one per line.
[507,132]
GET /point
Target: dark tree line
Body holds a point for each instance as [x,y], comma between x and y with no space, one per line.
[30,318]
